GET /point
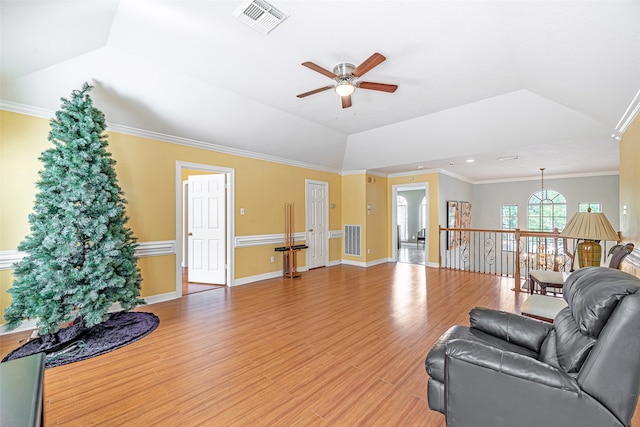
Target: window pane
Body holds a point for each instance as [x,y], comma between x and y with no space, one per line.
[549,214]
[545,216]
[403,218]
[509,220]
[584,207]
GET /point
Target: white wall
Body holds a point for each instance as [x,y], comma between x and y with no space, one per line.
[489,198]
[454,189]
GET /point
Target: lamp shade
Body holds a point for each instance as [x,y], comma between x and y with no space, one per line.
[591,226]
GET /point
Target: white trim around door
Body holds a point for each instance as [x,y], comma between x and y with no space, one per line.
[230,197]
[394,217]
[316,211]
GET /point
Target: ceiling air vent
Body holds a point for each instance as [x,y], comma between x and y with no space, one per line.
[260,15]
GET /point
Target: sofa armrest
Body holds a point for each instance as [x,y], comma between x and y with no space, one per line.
[511,327]
[512,364]
[488,387]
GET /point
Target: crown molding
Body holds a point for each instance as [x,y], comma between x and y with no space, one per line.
[629,115]
[537,178]
[354,172]
[26,109]
[456,176]
[632,111]
[127,130]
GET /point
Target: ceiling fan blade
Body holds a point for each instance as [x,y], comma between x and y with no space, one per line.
[311,92]
[319,69]
[383,87]
[346,101]
[373,61]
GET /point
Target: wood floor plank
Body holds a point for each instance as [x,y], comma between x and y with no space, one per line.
[340,346]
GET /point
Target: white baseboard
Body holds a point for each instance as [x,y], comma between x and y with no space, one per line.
[30,324]
[265,276]
[257,278]
[368,263]
[26,325]
[154,299]
[355,263]
[377,262]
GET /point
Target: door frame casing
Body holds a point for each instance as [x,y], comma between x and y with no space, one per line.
[394,218]
[229,198]
[325,215]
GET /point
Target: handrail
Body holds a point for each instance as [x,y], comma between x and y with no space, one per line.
[532,243]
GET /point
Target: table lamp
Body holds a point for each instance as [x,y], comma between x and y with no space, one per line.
[591,227]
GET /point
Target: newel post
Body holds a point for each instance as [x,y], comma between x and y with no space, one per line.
[439,246]
[516,274]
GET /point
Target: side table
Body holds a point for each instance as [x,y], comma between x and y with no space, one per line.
[545,278]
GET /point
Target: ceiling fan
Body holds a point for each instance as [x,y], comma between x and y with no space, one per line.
[346,76]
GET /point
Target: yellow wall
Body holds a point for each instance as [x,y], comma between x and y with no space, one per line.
[146,169]
[378,220]
[146,173]
[22,140]
[354,209]
[432,232]
[630,183]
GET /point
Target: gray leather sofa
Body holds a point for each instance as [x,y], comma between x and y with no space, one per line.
[510,370]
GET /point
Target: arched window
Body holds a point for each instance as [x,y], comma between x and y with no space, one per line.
[422,214]
[547,210]
[403,218]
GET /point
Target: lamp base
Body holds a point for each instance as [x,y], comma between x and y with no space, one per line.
[589,253]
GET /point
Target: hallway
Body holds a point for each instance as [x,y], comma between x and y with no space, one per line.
[411,253]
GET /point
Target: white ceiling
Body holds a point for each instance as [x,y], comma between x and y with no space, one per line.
[545,81]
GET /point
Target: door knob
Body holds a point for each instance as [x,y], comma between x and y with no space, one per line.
[190,234]
[311,229]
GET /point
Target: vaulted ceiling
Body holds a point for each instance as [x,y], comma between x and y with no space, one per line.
[545,81]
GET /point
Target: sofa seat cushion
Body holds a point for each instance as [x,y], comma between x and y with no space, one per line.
[572,346]
[434,362]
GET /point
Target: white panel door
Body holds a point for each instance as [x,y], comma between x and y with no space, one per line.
[317,228]
[207,229]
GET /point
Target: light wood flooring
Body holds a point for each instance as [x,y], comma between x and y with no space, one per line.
[191,287]
[340,346]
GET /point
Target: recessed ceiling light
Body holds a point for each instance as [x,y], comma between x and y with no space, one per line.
[451,163]
[420,167]
[470,160]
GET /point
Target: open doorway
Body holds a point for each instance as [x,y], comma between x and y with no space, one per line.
[410,223]
[204,194]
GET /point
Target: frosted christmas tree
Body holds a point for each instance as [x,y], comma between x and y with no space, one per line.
[80,254]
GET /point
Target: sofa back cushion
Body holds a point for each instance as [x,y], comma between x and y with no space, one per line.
[593,293]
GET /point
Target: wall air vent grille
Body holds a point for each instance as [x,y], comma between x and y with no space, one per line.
[352,240]
[260,15]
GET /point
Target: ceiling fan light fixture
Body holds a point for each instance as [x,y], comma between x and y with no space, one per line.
[345,88]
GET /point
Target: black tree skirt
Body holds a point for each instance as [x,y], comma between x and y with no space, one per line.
[75,343]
